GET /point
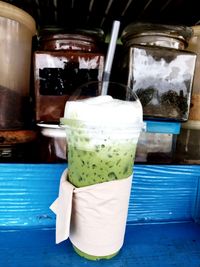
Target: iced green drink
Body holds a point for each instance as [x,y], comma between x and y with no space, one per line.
[102,134]
[106,161]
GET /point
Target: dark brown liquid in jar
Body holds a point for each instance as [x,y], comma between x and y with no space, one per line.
[62,64]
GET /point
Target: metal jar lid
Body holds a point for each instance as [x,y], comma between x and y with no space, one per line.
[147,32]
[78,39]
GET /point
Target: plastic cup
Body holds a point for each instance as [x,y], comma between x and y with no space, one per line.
[97,153]
[102,136]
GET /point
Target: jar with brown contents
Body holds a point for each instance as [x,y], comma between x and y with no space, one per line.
[64,62]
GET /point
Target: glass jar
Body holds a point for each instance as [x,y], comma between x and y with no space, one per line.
[188,143]
[194,46]
[158,69]
[63,62]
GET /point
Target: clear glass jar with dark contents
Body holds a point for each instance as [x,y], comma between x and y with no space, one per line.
[188,142]
[62,63]
[194,46]
[159,70]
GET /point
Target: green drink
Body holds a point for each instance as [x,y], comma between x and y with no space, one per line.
[102,135]
[103,161]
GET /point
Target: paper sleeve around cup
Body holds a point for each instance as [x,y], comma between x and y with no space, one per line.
[95,217]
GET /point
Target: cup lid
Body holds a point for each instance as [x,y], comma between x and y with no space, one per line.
[51,130]
[14,13]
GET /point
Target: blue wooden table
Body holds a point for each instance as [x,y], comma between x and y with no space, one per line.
[162,229]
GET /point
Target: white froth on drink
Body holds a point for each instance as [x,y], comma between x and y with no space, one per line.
[105,110]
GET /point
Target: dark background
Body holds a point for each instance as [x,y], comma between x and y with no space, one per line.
[101,13]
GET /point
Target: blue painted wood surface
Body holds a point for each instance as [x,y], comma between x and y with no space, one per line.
[150,245]
[160,193]
[162,228]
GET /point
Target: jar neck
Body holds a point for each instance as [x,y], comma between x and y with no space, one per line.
[73,42]
[157,40]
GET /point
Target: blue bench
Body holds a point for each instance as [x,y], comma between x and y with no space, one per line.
[162,228]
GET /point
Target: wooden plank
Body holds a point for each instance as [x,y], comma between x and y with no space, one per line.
[161,245]
[160,193]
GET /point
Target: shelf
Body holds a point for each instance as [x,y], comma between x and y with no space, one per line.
[160,245]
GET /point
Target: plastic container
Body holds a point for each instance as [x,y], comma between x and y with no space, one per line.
[194,46]
[16,30]
[63,62]
[158,143]
[158,69]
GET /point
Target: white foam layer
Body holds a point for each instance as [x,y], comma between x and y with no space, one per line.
[105,110]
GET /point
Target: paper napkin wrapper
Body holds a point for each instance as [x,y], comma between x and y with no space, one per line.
[93,217]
